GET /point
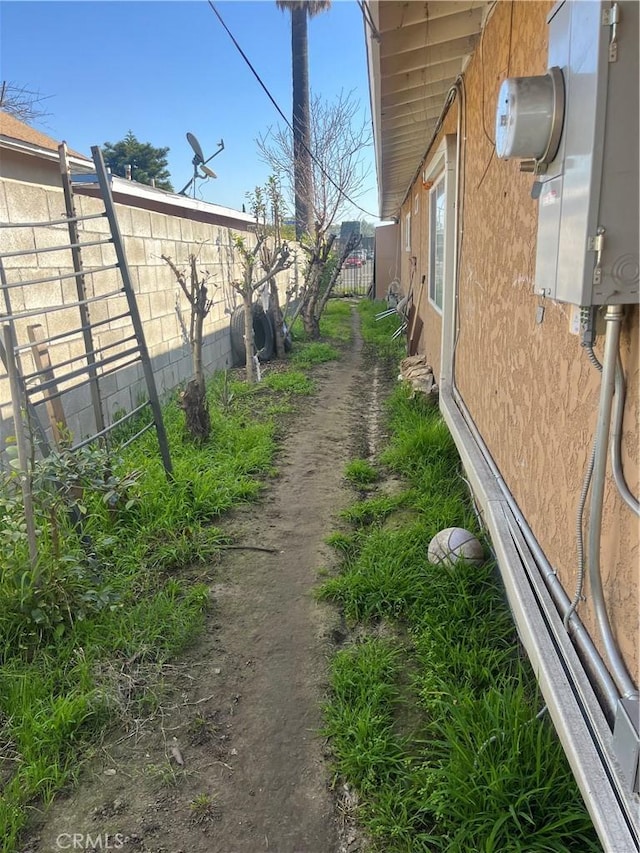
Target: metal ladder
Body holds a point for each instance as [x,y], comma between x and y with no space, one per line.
[41,386]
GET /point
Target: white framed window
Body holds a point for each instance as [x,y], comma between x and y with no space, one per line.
[437,231]
[439,178]
[407,232]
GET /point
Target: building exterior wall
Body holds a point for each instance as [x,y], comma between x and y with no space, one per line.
[524,377]
[19,167]
[386,258]
[37,167]
[163,307]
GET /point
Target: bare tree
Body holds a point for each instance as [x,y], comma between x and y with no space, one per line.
[193,399]
[338,141]
[267,205]
[22,103]
[246,287]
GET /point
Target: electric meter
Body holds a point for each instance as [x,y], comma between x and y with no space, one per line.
[529,118]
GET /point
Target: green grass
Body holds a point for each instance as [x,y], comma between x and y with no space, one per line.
[307,355]
[374,510]
[335,330]
[433,717]
[335,323]
[291,382]
[359,720]
[66,637]
[378,334]
[360,472]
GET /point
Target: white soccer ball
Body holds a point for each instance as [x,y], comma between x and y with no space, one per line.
[453,544]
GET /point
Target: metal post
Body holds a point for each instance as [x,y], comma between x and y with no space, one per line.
[80,287]
[21,443]
[103,180]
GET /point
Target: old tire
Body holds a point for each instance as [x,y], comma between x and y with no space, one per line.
[262,334]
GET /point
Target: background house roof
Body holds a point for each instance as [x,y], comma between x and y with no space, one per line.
[12,129]
[415,52]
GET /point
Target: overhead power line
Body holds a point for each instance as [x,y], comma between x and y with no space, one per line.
[366,14]
[283,116]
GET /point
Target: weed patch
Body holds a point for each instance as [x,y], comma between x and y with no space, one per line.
[378,334]
[335,323]
[335,327]
[291,382]
[437,723]
[360,472]
[84,637]
[309,354]
[374,510]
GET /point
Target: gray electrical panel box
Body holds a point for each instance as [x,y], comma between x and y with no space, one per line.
[587,248]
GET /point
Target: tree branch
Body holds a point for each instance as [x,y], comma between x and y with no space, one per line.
[282,262]
[179,276]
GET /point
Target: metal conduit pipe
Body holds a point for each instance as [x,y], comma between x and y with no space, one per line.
[577,598]
[616,441]
[589,655]
[613,319]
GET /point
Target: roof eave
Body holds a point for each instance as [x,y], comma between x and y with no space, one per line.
[31,150]
[373,68]
[414,55]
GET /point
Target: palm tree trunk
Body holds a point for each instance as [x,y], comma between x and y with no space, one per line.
[303,174]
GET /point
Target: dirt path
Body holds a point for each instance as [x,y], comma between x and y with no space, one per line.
[244,706]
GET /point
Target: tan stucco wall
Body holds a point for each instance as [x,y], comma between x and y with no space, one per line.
[22,167]
[37,168]
[529,386]
[164,310]
[386,258]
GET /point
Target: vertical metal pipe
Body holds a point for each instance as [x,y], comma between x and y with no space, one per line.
[616,438]
[613,319]
[21,443]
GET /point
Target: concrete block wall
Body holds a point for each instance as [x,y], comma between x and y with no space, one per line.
[164,309]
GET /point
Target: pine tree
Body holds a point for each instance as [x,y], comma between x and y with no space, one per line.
[148,164]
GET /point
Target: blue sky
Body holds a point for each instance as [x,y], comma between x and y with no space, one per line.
[161,69]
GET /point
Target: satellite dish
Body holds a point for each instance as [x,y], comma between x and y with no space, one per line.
[193,142]
[199,161]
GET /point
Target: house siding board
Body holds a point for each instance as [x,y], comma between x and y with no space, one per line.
[529,386]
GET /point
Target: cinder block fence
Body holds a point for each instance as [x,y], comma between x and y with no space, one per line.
[152,224]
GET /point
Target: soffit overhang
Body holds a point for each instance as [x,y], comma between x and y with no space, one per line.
[415,52]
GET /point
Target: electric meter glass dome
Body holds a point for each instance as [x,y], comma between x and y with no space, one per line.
[529,116]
